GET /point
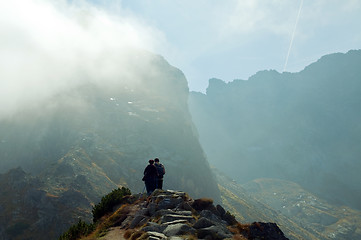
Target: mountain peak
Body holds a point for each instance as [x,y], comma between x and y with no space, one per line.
[215,84]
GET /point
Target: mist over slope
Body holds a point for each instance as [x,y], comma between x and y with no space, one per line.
[86,141]
[304,127]
[133,122]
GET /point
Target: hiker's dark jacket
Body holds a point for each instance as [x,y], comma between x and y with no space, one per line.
[150,173]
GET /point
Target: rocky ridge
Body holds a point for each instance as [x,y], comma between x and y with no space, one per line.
[303,127]
[174,215]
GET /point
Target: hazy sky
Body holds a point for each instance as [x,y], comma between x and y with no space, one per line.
[47,46]
[236,38]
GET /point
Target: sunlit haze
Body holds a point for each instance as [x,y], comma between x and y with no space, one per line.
[234,39]
[49,46]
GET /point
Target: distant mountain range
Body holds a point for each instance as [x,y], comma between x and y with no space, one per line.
[303,127]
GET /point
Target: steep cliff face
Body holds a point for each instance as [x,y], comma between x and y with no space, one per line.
[304,127]
[97,136]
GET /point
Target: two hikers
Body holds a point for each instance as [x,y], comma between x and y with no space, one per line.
[153,175]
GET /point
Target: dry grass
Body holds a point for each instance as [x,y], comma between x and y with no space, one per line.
[138,235]
[239,230]
[128,233]
[108,221]
[239,237]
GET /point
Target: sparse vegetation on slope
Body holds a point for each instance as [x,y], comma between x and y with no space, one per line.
[109,201]
[77,231]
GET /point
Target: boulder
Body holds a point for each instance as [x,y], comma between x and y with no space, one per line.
[203,223]
[152,208]
[229,218]
[163,212]
[214,232]
[136,220]
[178,229]
[210,215]
[173,217]
[156,235]
[185,206]
[169,202]
[184,213]
[260,230]
[154,227]
[126,222]
[221,210]
[175,222]
[179,193]
[143,211]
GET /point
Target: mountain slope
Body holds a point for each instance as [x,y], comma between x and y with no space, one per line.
[307,210]
[29,212]
[299,213]
[97,136]
[303,127]
[248,208]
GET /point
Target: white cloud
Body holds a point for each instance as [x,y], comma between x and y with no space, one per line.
[49,46]
[252,16]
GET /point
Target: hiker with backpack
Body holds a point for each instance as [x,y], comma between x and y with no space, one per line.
[150,177]
[161,171]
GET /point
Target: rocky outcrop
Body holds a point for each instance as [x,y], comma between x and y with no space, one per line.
[174,215]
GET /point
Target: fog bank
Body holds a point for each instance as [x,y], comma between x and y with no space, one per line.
[47,47]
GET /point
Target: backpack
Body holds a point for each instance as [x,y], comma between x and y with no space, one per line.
[160,169]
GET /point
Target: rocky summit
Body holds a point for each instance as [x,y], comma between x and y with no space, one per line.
[174,215]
